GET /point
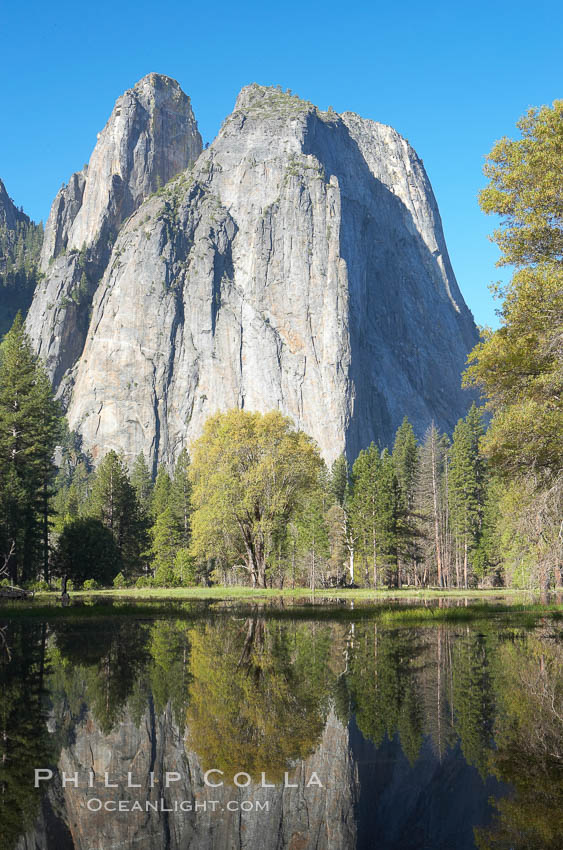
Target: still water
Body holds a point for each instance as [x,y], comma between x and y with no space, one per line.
[206,726]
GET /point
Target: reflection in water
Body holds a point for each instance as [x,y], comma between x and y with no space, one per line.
[529,738]
[98,667]
[24,738]
[410,730]
[259,698]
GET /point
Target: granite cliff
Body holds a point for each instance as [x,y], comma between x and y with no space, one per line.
[150,136]
[299,263]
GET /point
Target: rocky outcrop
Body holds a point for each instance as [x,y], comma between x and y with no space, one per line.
[10,215]
[298,818]
[151,136]
[299,265]
[20,245]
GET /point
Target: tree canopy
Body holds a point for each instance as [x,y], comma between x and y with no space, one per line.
[86,549]
[526,189]
[248,472]
[520,366]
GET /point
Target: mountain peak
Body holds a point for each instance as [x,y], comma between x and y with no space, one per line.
[150,136]
[158,85]
[299,266]
[270,100]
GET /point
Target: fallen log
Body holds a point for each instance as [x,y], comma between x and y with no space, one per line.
[15,593]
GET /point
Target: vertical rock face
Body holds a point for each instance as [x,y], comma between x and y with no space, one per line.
[151,136]
[300,265]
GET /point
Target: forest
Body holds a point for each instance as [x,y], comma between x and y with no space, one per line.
[19,274]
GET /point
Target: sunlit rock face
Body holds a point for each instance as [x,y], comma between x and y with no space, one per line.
[300,817]
[299,265]
[150,136]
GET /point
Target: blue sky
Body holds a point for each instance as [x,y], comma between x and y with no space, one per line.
[451,78]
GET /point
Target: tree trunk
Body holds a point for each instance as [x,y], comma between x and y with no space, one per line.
[45,520]
[261,568]
[313,576]
[435,502]
[465,563]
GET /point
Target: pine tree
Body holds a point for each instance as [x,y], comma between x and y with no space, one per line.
[487,558]
[466,488]
[445,526]
[180,498]
[461,494]
[405,460]
[388,513]
[339,484]
[430,505]
[165,543]
[143,486]
[30,422]
[13,499]
[161,492]
[48,414]
[312,534]
[142,482]
[171,527]
[364,507]
[113,501]
[74,479]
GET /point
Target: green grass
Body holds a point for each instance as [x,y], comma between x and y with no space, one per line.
[522,614]
[237,592]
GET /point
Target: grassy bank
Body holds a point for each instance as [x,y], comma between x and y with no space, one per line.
[391,608]
[387,614]
[250,593]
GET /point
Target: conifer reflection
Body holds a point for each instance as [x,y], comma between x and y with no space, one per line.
[24,738]
[98,666]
